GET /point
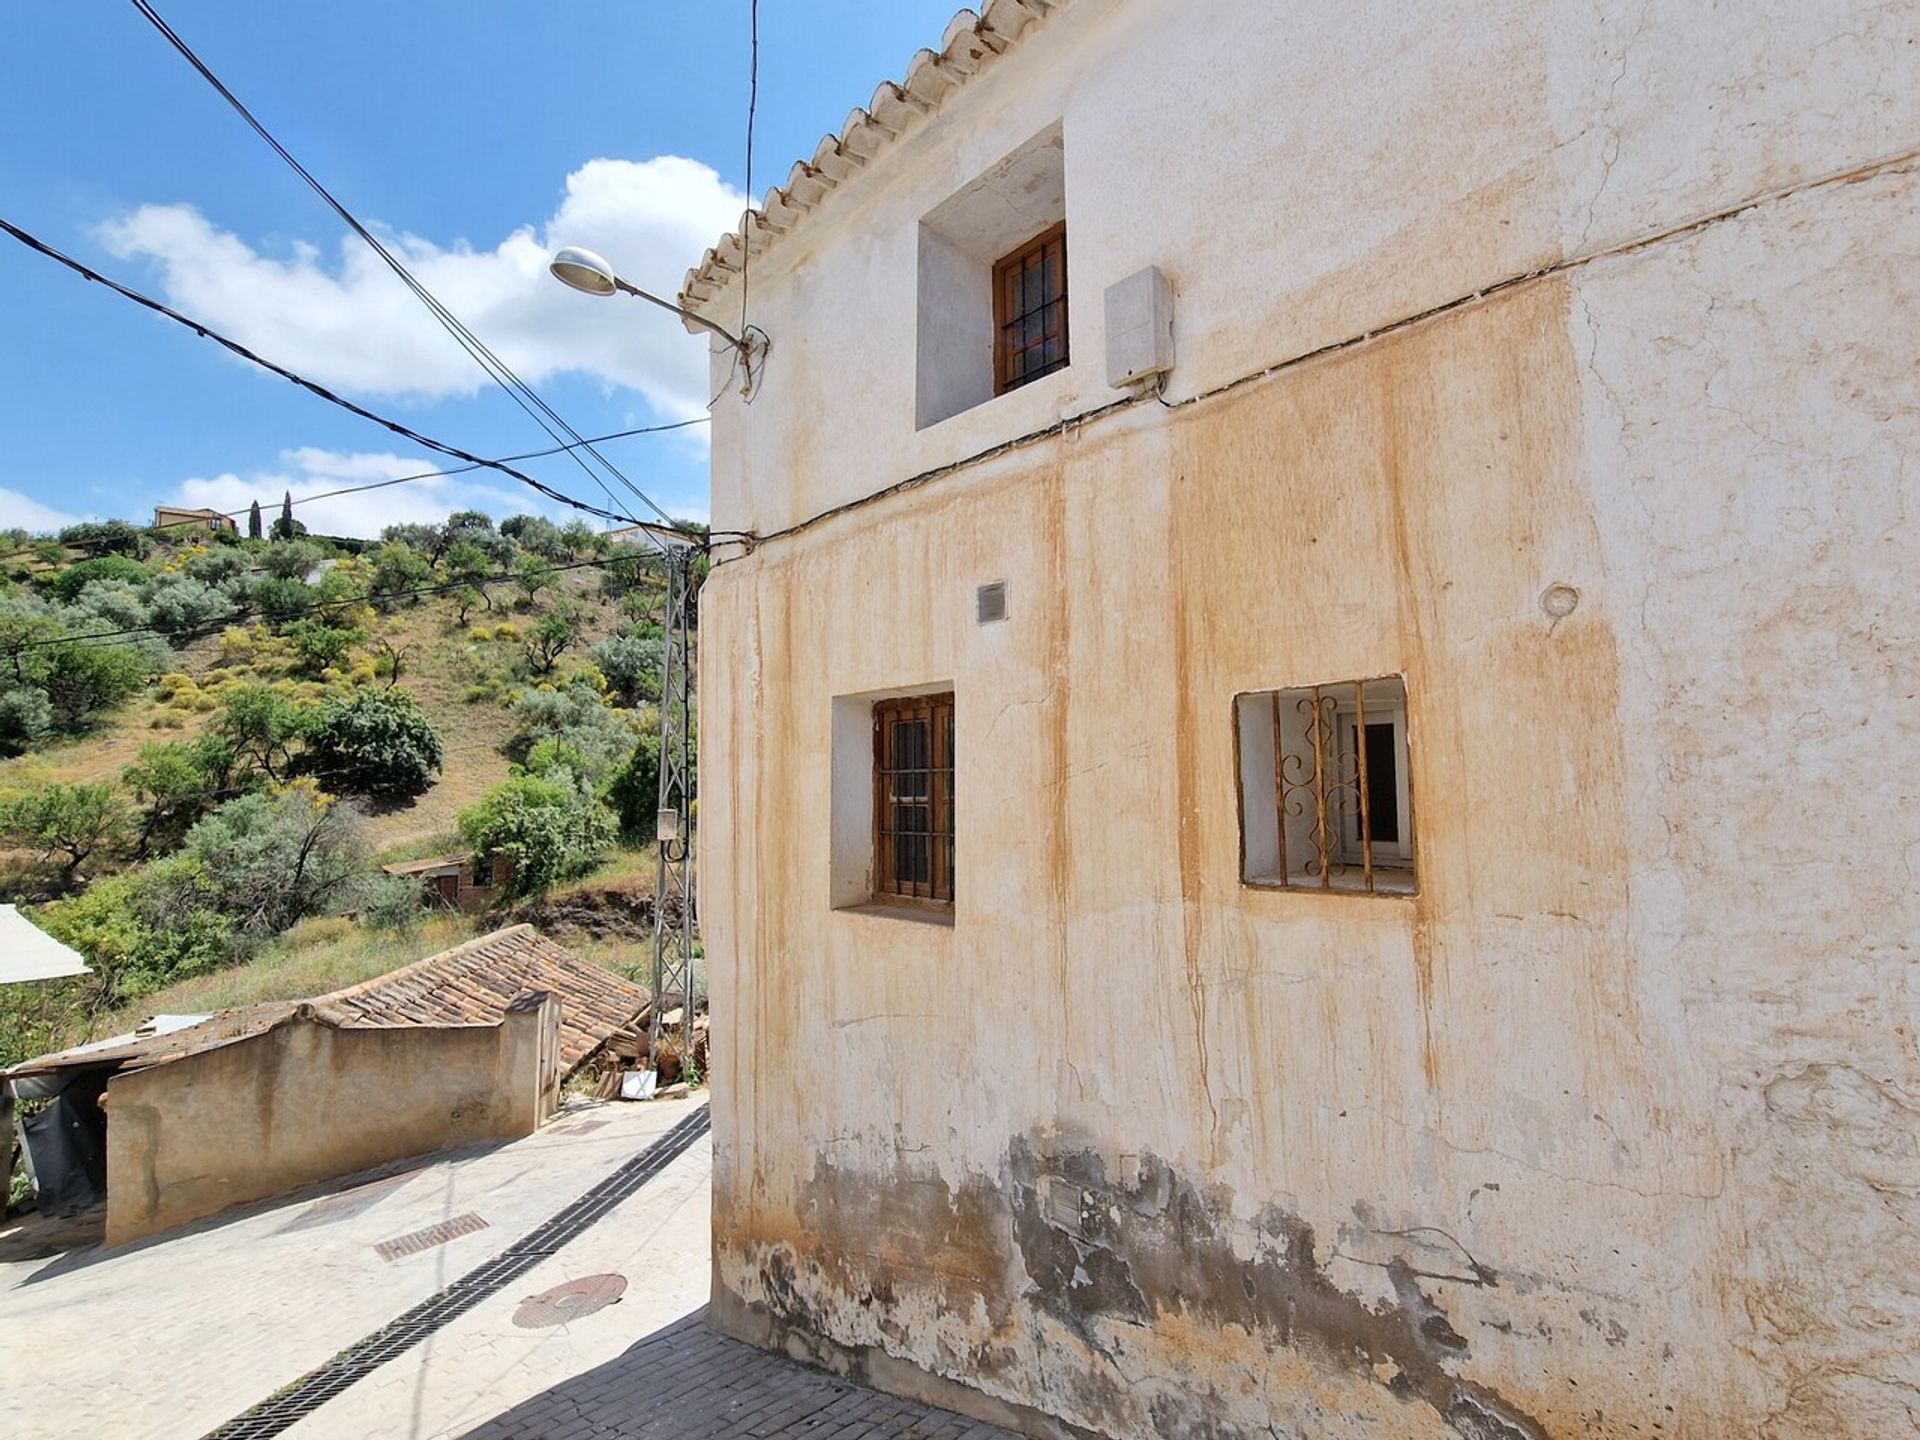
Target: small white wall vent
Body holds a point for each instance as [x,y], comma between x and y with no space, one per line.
[990,603]
[1139,328]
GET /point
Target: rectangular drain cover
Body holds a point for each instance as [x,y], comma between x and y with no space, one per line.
[431,1236]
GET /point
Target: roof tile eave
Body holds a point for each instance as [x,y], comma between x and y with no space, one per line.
[970,44]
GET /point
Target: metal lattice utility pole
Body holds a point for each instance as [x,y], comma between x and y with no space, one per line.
[673,878]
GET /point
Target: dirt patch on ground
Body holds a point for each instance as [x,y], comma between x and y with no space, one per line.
[602,914]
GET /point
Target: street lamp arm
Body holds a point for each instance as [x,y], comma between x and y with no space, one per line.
[681,311]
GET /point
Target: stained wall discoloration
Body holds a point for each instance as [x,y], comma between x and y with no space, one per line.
[1608,1131]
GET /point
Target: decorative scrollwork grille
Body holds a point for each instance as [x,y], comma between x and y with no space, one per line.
[1339,787]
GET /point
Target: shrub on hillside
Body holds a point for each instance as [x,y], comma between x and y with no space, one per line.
[291,560]
[633,793]
[389,903]
[26,718]
[181,607]
[379,743]
[217,567]
[397,570]
[106,537]
[632,664]
[319,644]
[68,584]
[553,828]
[261,724]
[577,718]
[108,605]
[83,680]
[176,782]
[134,946]
[265,862]
[281,600]
[66,825]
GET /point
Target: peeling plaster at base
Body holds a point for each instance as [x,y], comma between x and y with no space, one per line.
[1053,1259]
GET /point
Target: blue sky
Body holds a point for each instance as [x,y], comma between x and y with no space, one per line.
[478,132]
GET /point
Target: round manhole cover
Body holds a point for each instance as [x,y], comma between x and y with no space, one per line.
[574,1300]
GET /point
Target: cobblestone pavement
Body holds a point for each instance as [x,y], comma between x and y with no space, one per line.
[689,1383]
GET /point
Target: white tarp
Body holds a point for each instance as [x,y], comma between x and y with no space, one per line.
[28,953]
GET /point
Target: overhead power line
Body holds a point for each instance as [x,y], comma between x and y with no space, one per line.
[543,414]
[313,387]
[200,520]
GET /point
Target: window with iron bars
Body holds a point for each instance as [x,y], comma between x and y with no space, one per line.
[1326,797]
[913,800]
[1030,311]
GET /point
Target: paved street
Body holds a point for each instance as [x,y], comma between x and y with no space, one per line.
[688,1381]
[184,1335]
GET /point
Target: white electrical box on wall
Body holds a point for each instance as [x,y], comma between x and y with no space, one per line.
[1139,328]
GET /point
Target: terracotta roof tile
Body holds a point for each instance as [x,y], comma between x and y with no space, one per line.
[472,984]
[969,45]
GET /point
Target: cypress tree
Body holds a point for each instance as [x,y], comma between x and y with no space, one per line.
[253,522]
[286,515]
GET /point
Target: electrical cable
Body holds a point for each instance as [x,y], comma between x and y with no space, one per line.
[496,368]
[379,484]
[753,104]
[406,432]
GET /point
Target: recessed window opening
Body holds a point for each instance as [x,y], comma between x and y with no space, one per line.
[1326,798]
[991,312]
[913,800]
[1030,311]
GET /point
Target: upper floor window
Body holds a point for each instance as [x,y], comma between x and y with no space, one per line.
[1030,311]
[991,275]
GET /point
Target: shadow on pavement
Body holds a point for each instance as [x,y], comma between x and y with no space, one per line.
[687,1382]
[327,1201]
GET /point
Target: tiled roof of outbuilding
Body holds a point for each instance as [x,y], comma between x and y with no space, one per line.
[471,984]
[970,44]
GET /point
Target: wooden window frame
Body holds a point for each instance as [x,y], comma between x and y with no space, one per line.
[936,891]
[1004,316]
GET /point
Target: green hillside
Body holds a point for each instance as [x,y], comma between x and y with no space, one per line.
[212,745]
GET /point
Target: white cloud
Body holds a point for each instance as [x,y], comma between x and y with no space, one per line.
[354,325]
[23,512]
[310,471]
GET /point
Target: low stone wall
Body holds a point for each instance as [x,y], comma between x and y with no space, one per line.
[307,1101]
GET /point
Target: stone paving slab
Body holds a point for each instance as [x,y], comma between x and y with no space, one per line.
[486,1360]
[169,1338]
[690,1383]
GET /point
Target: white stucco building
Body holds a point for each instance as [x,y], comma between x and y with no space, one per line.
[1360,881]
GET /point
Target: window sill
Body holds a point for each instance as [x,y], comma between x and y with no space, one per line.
[940,917]
[1387,885]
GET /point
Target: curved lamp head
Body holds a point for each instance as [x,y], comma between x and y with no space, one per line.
[583,270]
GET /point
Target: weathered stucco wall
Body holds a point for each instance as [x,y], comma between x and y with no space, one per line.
[1303,173]
[306,1101]
[1610,1130]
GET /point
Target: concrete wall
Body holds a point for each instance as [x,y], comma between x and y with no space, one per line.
[307,1101]
[1609,1131]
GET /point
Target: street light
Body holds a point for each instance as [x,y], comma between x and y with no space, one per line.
[590,274]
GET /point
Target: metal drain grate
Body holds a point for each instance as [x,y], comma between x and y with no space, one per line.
[314,1389]
[418,1240]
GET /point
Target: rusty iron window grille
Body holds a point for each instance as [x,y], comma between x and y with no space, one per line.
[913,800]
[1325,792]
[1030,311]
